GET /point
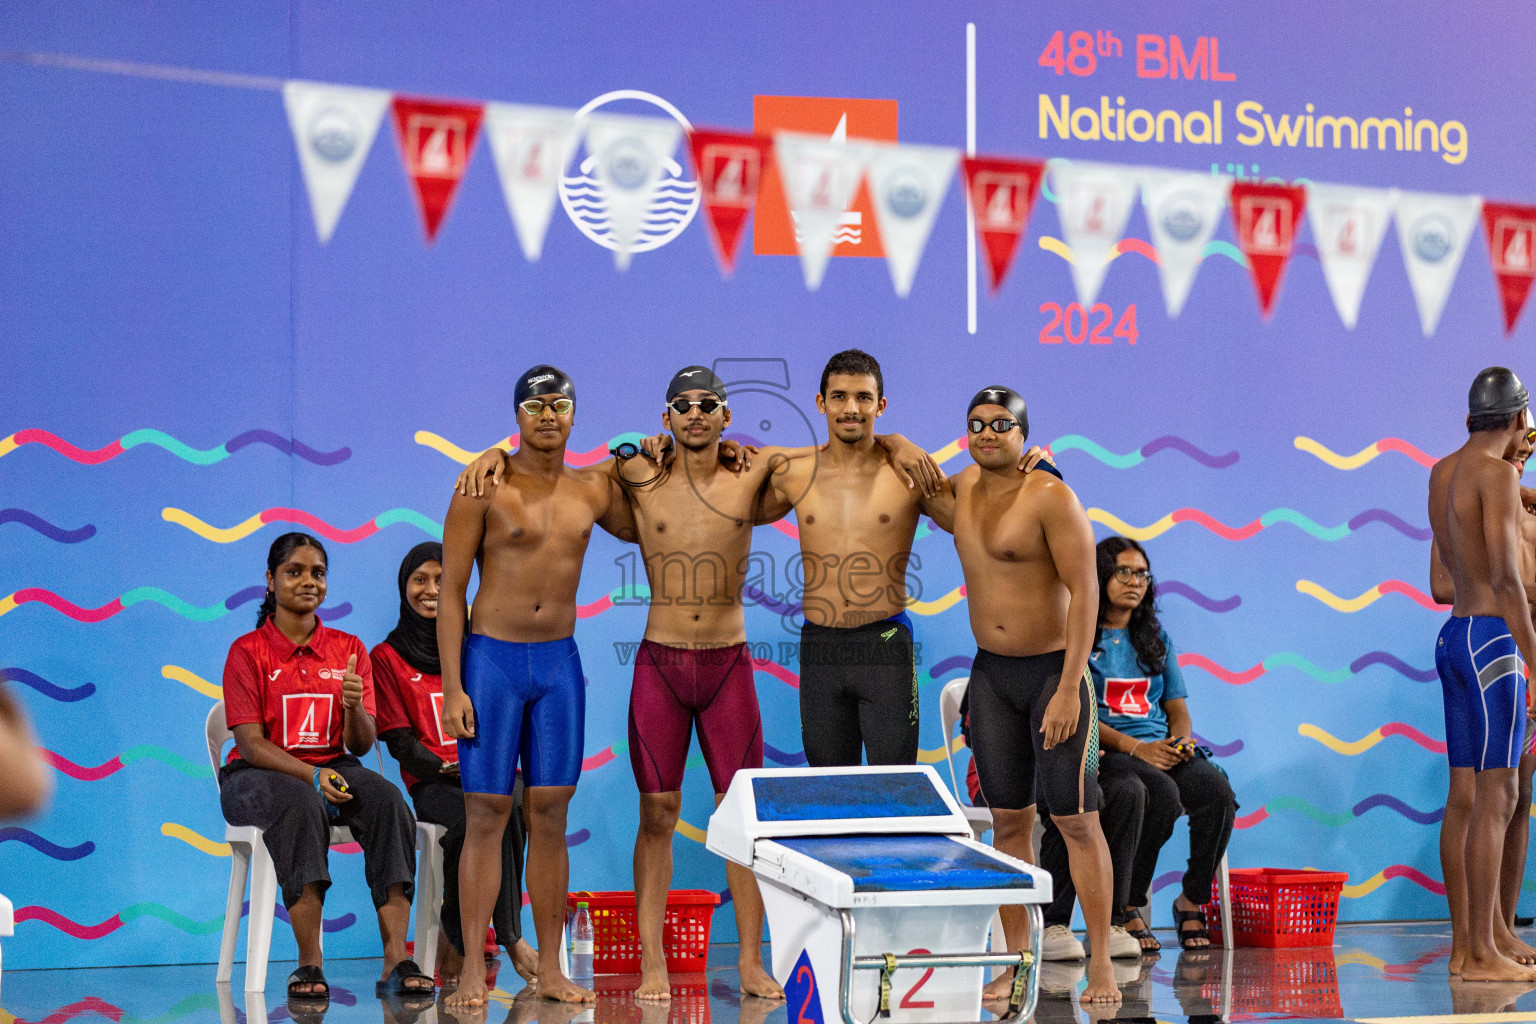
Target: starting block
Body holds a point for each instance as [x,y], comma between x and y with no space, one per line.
[878,900]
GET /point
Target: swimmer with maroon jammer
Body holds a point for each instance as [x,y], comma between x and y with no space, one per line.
[514,686]
[1475,513]
[1026,549]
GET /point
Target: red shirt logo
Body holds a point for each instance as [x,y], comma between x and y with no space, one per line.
[437,713]
[1128,696]
[306,720]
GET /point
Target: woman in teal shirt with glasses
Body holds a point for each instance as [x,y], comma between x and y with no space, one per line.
[1145,734]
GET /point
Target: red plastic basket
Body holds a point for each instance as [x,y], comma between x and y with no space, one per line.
[616,943]
[1278,907]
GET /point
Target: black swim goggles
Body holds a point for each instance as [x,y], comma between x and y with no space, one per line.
[706,405]
[1001,425]
[534,407]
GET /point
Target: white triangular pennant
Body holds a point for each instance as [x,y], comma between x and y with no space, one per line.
[1433,231]
[333,130]
[1094,202]
[532,146]
[629,156]
[1348,225]
[821,178]
[908,185]
[1182,213]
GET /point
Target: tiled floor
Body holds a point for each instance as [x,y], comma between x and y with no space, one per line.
[1373,971]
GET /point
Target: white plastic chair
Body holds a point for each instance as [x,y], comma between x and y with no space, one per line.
[429,892]
[979,818]
[249,858]
[7,921]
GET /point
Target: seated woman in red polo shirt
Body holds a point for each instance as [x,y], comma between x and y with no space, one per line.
[299,698]
[408,678]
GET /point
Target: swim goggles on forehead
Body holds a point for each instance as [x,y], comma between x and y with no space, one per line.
[706,405]
[534,406]
[1001,425]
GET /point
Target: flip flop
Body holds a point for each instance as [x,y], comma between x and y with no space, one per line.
[1143,933]
[308,974]
[404,971]
[1182,917]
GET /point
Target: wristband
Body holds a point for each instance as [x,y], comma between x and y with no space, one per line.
[1136,747]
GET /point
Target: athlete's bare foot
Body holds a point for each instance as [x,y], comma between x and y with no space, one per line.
[1472,997]
[655,985]
[1514,948]
[1497,969]
[1458,957]
[561,989]
[525,961]
[755,981]
[1101,981]
[450,963]
[472,990]
[999,989]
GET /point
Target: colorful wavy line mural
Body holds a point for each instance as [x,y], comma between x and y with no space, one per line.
[1087,445]
[1370,739]
[44,687]
[139,595]
[464,457]
[1285,659]
[1350,605]
[177,674]
[138,911]
[1293,803]
[40,525]
[1273,517]
[183,451]
[308,520]
[142,752]
[27,837]
[1366,454]
[1140,246]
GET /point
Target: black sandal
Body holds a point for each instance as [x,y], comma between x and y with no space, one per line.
[1143,933]
[308,974]
[1181,918]
[404,971]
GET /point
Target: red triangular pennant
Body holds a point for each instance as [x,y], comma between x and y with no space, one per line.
[730,167]
[1511,235]
[1001,192]
[1266,218]
[436,139]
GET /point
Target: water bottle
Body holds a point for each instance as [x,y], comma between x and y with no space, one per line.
[581,951]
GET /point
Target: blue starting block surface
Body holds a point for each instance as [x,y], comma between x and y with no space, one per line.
[908,863]
[839,797]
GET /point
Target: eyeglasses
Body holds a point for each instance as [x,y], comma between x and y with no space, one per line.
[999,426]
[706,405]
[534,407]
[1125,574]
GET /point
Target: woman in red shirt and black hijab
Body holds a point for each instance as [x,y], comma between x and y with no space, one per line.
[298,696]
[408,679]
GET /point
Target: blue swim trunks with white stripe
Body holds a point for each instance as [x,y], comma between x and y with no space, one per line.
[1482,678]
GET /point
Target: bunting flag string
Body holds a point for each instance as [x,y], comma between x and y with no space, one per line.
[629,182]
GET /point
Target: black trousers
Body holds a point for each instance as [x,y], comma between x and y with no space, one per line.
[1196,787]
[858,694]
[292,817]
[1120,816]
[441,802]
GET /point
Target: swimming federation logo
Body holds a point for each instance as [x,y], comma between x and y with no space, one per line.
[1432,238]
[333,134]
[907,195]
[677,195]
[1180,216]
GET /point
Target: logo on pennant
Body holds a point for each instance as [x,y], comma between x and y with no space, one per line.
[1433,231]
[1182,212]
[1001,193]
[1266,217]
[669,203]
[1348,225]
[436,139]
[1094,202]
[909,184]
[333,130]
[774,229]
[1512,248]
[821,179]
[730,168]
[532,146]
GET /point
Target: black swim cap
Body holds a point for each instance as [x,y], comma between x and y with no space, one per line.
[543,380]
[1007,398]
[695,378]
[1496,392]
